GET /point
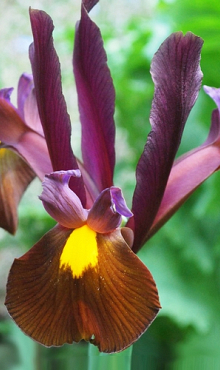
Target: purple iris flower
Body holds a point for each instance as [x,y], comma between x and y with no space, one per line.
[82,280]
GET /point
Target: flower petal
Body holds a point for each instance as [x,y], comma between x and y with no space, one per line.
[15,176]
[51,104]
[214,93]
[25,86]
[96,99]
[89,4]
[105,214]
[188,172]
[27,105]
[6,93]
[29,144]
[177,76]
[119,203]
[110,304]
[60,201]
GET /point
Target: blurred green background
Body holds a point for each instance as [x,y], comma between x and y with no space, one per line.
[184,256]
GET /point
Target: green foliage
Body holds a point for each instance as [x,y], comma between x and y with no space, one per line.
[130,67]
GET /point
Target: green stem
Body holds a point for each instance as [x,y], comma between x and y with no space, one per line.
[100,361]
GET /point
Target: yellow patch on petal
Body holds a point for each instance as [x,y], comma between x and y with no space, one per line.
[2,151]
[80,251]
[110,306]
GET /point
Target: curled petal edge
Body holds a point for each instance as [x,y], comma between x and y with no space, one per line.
[107,211]
[60,201]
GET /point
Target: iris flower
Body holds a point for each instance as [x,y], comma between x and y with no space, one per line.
[83,280]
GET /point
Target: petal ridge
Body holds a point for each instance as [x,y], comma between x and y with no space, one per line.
[177,77]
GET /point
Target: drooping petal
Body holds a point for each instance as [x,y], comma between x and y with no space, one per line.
[51,104]
[15,176]
[29,144]
[109,302]
[107,211]
[177,77]
[96,98]
[60,201]
[188,172]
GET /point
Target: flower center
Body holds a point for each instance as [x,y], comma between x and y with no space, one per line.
[80,251]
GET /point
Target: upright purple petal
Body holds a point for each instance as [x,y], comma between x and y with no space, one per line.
[96,98]
[177,77]
[31,113]
[27,104]
[51,104]
[188,172]
[89,4]
[25,86]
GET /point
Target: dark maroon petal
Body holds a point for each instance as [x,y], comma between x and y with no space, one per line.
[51,104]
[60,201]
[96,98]
[15,177]
[107,211]
[188,172]
[89,4]
[177,77]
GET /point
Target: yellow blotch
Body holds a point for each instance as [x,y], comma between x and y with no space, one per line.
[2,151]
[80,251]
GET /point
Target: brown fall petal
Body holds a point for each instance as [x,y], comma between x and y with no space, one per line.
[110,304]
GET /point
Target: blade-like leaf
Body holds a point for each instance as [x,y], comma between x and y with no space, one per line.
[51,104]
[177,77]
[96,98]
